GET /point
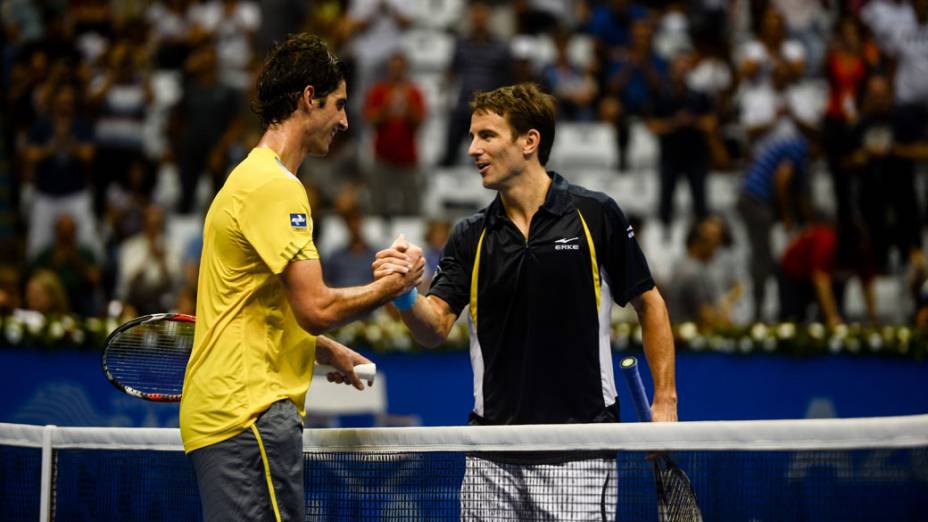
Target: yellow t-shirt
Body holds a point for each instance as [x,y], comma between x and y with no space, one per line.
[248,350]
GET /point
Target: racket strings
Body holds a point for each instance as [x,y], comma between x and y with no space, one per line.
[151,357]
[677,501]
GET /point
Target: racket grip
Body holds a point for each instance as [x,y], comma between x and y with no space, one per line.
[629,367]
[365,372]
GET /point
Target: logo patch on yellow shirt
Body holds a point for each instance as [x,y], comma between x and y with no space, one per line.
[298,221]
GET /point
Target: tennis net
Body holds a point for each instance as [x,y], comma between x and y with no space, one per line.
[836,469]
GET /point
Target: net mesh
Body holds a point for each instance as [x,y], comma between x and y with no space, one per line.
[368,474]
[20,472]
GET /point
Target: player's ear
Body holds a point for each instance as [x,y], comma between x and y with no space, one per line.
[532,140]
[307,97]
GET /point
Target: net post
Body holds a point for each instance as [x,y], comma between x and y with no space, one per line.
[45,496]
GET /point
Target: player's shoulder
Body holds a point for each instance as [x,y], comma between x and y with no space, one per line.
[261,174]
[591,202]
[470,225]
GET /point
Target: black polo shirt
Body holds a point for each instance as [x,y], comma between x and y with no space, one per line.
[540,308]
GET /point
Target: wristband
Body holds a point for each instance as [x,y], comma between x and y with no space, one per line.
[405,302]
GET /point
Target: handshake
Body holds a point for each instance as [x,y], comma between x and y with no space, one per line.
[404,264]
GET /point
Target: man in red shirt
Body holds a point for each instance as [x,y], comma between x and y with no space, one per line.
[815,267]
[395,108]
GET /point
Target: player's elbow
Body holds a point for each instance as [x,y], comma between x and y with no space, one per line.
[430,339]
[649,302]
[313,323]
[315,318]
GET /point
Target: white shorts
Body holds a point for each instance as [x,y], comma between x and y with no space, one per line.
[575,490]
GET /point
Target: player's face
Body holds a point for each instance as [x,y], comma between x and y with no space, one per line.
[327,117]
[497,156]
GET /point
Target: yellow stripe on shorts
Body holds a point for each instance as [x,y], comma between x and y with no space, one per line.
[267,473]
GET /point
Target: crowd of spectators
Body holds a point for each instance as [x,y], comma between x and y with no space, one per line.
[121,116]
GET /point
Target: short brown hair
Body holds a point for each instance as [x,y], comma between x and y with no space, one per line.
[300,60]
[525,107]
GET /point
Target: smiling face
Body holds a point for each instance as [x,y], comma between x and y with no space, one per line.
[497,153]
[326,118]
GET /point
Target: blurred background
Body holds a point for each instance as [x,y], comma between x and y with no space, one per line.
[770,155]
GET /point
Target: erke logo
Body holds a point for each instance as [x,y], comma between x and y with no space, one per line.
[566,243]
[298,220]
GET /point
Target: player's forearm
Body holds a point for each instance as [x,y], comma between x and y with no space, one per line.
[658,344]
[326,349]
[340,306]
[429,327]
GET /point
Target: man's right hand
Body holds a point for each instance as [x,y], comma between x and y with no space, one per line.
[403,259]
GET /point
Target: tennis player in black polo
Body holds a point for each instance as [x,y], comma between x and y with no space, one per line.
[540,268]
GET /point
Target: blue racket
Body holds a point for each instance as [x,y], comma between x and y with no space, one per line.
[676,500]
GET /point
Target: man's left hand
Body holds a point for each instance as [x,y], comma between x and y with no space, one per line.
[342,358]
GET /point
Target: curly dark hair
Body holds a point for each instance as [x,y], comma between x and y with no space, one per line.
[525,107]
[300,60]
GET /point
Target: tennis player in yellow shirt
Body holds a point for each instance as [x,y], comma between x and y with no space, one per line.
[262,300]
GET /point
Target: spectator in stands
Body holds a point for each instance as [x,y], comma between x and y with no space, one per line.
[282,17]
[121,95]
[436,235]
[350,264]
[847,63]
[233,26]
[76,267]
[395,108]
[11,295]
[756,58]
[58,155]
[805,22]
[29,69]
[375,28]
[901,30]
[539,16]
[685,125]
[126,202]
[888,141]
[692,293]
[766,113]
[573,86]
[774,189]
[169,33]
[149,266]
[815,268]
[481,63]
[45,294]
[610,25]
[632,79]
[201,119]
[769,67]
[711,72]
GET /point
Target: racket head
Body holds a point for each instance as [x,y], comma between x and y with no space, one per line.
[147,356]
[676,500]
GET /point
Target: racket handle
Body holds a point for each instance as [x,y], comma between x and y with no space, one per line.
[365,372]
[629,367]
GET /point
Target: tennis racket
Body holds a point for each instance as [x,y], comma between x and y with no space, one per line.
[676,501]
[147,357]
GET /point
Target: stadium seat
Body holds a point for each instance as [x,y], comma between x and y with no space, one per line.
[585,145]
[437,14]
[428,50]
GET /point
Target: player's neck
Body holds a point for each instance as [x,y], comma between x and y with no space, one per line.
[526,194]
[285,140]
